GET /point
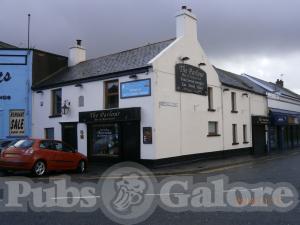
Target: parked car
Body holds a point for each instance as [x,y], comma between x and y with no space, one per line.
[41,156]
[5,143]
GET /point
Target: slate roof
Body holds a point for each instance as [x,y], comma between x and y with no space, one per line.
[5,45]
[240,82]
[284,91]
[132,59]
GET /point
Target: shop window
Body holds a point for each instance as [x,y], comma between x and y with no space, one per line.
[56,102]
[81,101]
[245,134]
[233,102]
[212,128]
[49,133]
[210,99]
[234,135]
[111,94]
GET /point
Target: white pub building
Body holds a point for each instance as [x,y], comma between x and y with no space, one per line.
[154,103]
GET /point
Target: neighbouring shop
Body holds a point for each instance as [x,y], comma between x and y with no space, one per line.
[113,133]
[284,129]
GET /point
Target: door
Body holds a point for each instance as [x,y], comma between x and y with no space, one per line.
[105,141]
[69,134]
[259,140]
[48,152]
[131,139]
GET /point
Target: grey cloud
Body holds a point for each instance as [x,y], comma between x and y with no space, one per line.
[228,29]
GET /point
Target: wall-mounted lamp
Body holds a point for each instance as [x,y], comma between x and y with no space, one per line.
[40,92]
[201,64]
[183,59]
[79,85]
[134,76]
[245,94]
[225,89]
[66,107]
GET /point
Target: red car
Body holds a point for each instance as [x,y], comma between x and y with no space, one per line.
[41,156]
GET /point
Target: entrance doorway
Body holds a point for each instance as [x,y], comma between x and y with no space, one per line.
[69,134]
[259,140]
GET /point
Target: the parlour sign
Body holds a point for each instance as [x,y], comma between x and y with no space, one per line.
[190,79]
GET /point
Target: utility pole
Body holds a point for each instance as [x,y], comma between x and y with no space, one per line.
[28,32]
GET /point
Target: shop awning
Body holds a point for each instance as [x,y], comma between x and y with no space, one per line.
[284,117]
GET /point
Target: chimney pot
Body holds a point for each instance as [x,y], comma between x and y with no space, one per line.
[78,42]
[279,83]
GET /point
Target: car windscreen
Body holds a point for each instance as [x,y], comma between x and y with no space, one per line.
[24,144]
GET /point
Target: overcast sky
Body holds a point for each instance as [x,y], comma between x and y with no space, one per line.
[258,37]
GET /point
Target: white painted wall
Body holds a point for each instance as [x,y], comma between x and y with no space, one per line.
[181,124]
[93,93]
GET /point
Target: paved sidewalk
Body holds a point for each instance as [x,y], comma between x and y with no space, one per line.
[96,169]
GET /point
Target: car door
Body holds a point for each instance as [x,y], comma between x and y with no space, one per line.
[64,156]
[48,153]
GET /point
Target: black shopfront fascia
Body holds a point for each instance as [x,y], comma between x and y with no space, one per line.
[128,121]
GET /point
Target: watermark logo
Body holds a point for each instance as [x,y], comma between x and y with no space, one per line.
[128,193]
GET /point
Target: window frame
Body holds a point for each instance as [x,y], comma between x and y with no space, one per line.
[233,102]
[245,134]
[234,134]
[216,127]
[54,110]
[107,94]
[45,132]
[210,96]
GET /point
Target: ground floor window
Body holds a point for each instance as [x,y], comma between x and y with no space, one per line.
[234,134]
[105,140]
[245,136]
[212,128]
[49,133]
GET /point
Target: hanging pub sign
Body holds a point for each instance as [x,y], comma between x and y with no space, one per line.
[190,79]
[17,122]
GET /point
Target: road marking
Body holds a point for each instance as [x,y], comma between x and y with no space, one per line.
[76,197]
[165,194]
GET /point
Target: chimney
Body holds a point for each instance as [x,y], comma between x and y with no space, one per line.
[77,54]
[279,83]
[186,24]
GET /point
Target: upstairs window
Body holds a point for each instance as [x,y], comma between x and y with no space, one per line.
[210,99]
[111,94]
[233,102]
[56,102]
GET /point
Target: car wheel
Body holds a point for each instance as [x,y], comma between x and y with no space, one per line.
[39,168]
[81,166]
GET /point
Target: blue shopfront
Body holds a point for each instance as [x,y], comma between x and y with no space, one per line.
[19,69]
[284,130]
[15,94]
